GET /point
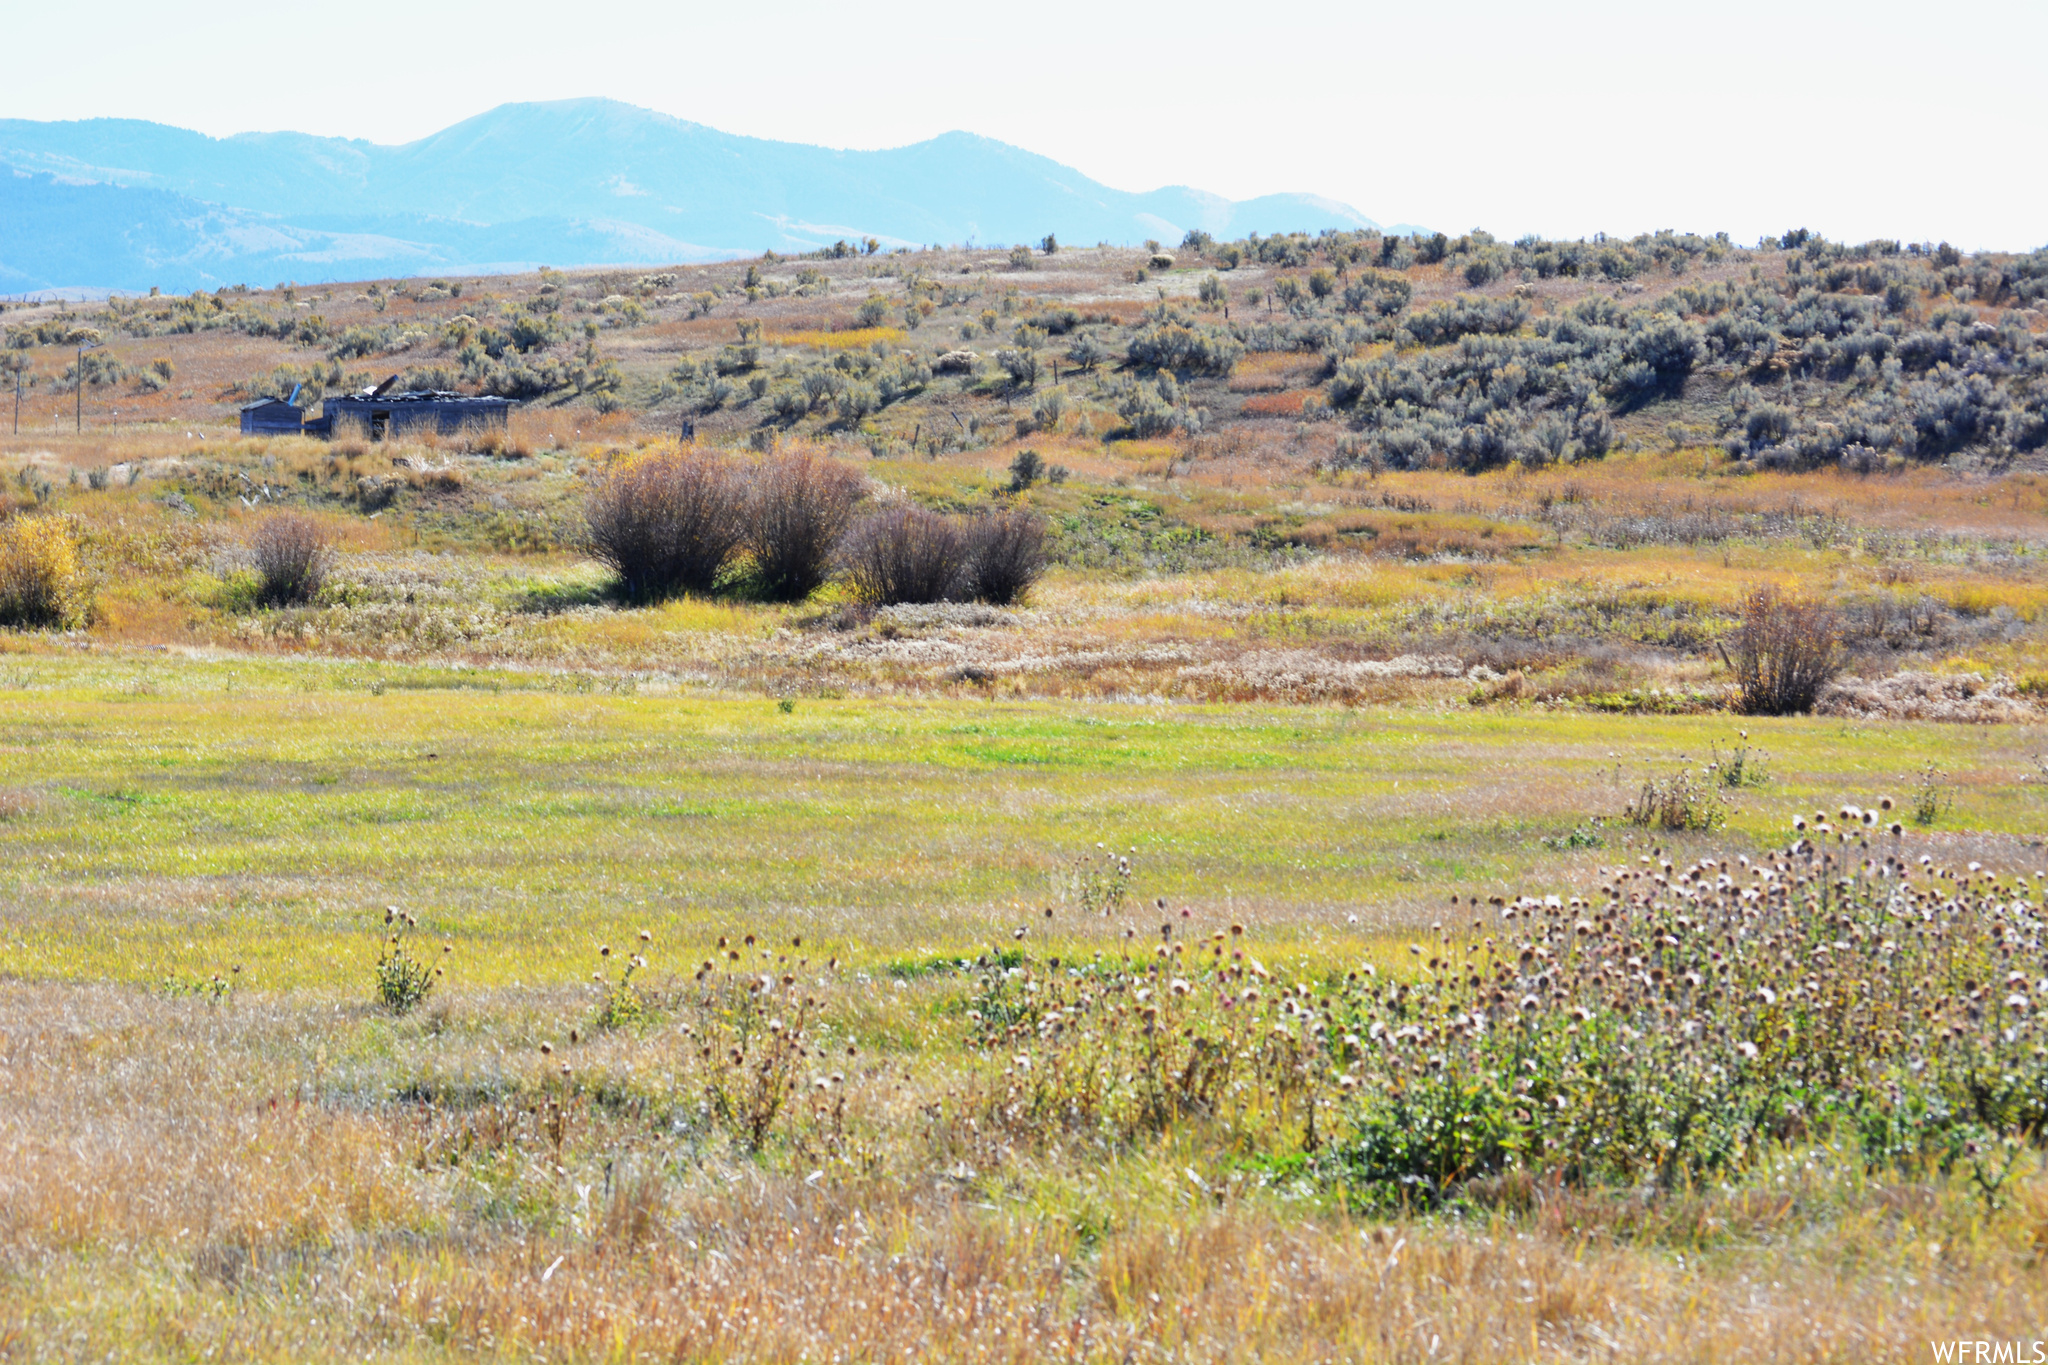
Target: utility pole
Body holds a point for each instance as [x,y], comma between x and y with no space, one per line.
[85,338]
[18,363]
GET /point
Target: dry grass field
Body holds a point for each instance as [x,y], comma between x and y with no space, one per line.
[1339,912]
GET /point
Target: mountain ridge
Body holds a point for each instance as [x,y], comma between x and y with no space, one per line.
[567,182]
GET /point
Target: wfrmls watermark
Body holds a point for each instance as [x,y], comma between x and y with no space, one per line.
[1984,1351]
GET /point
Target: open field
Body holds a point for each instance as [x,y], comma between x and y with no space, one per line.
[175,817]
[216,1145]
[1237,947]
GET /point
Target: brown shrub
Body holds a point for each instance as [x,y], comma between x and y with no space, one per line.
[905,554]
[1786,651]
[802,504]
[1005,555]
[292,555]
[668,522]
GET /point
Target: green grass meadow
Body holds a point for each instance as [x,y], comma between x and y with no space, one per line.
[172,817]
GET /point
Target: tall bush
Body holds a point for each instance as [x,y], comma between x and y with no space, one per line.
[802,504]
[1785,652]
[667,523]
[905,554]
[293,555]
[1005,555]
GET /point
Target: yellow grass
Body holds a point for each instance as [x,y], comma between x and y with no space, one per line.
[851,339]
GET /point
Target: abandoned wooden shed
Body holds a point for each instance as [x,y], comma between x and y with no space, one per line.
[273,417]
[382,414]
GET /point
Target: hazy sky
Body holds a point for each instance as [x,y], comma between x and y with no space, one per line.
[1859,120]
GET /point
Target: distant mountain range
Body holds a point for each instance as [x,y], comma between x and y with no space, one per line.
[125,204]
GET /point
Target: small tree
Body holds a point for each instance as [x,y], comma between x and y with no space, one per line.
[1005,555]
[667,523]
[293,555]
[802,504]
[1050,246]
[905,554]
[1786,651]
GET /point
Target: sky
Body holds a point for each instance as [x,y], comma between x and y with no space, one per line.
[1856,120]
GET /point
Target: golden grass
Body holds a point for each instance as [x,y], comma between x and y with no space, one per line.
[848,339]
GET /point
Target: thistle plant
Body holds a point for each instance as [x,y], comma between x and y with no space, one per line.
[619,1003]
[1743,766]
[1933,796]
[403,977]
[1683,1022]
[759,1028]
[1680,801]
[1097,884]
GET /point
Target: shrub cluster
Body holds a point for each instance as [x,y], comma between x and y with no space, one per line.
[677,521]
[1172,341]
[911,555]
[1488,386]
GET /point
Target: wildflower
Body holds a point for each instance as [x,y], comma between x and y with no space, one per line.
[646,937]
[1747,1049]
